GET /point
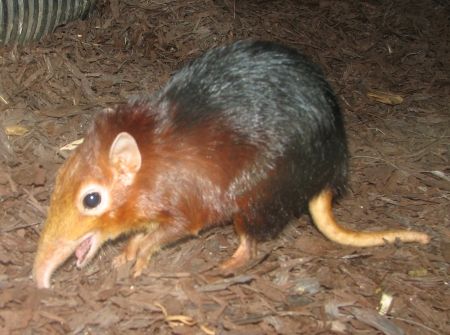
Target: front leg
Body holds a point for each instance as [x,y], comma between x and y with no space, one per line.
[152,242]
[129,252]
[142,246]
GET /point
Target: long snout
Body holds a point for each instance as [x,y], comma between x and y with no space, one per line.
[49,257]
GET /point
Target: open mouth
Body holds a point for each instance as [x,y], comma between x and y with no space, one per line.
[84,250]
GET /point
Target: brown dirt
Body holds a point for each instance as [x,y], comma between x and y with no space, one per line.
[373,52]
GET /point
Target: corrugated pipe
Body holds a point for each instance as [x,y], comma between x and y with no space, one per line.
[24,21]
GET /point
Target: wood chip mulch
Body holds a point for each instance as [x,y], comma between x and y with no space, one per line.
[389,63]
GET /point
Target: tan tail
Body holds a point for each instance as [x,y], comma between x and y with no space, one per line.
[320,208]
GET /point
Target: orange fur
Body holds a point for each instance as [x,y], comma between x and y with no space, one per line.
[181,187]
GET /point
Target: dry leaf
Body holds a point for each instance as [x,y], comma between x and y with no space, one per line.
[15,130]
[385,97]
[72,145]
[385,303]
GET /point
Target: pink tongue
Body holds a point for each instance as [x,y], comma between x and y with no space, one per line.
[82,250]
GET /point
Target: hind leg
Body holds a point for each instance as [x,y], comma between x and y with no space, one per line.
[245,251]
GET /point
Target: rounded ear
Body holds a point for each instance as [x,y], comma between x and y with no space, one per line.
[125,157]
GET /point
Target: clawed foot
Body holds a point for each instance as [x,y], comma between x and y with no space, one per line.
[232,266]
[241,257]
[137,250]
[139,265]
[120,260]
[131,253]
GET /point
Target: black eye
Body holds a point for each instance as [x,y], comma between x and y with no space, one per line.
[92,200]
